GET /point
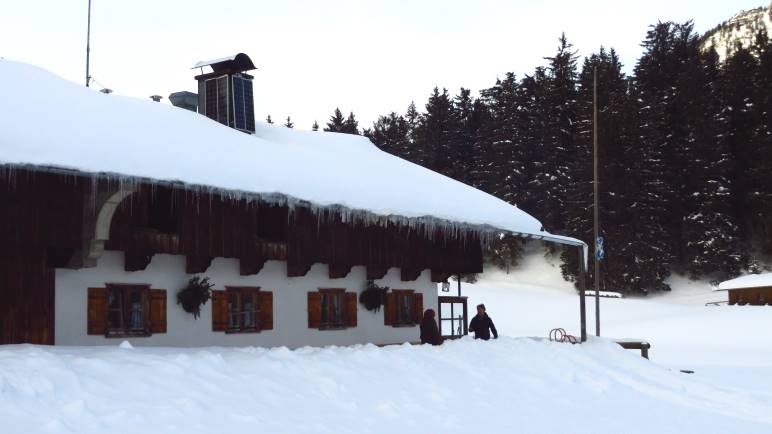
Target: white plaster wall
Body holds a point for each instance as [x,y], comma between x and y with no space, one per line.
[290,317]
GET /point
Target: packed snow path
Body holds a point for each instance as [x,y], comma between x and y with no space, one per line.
[507,385]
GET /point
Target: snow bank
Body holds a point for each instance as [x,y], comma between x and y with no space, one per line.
[724,345]
[508,385]
[749,281]
[49,122]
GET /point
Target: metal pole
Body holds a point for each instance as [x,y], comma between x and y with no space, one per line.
[459,284]
[88,44]
[582,288]
[596,224]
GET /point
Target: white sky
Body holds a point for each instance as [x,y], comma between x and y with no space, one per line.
[371,57]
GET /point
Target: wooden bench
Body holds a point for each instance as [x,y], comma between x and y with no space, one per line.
[635,344]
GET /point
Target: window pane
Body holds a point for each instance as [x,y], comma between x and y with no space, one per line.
[114,309]
[135,300]
[447,327]
[248,316]
[233,310]
[445,310]
[325,308]
[337,313]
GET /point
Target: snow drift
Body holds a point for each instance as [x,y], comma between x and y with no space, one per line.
[508,385]
[48,122]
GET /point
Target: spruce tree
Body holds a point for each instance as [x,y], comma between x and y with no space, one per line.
[268,119]
[289,123]
[435,133]
[612,96]
[350,125]
[556,173]
[336,124]
[315,126]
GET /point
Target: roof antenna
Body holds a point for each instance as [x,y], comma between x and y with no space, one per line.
[88,43]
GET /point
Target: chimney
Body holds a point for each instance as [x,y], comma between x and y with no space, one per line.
[225,94]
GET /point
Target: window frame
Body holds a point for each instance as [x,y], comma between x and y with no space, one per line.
[241,292]
[400,295]
[335,323]
[125,310]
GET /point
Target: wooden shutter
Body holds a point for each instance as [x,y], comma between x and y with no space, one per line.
[314,310]
[97,311]
[390,309]
[351,309]
[418,307]
[157,311]
[266,310]
[219,311]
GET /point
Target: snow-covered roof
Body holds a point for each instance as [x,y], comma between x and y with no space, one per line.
[48,122]
[748,281]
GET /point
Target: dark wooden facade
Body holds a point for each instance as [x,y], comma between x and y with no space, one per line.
[53,220]
[751,296]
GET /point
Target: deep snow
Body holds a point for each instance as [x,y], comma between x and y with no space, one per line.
[748,281]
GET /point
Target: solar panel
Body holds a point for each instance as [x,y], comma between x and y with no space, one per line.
[243,104]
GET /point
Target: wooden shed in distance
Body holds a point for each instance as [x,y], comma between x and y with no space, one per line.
[753,289]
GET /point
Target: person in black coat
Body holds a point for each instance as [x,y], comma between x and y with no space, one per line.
[430,333]
[482,325]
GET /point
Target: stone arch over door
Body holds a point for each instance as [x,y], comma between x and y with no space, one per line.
[104,218]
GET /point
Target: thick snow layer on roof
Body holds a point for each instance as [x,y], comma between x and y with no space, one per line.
[48,121]
[749,281]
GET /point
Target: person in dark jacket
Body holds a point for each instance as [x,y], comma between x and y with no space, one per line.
[430,333]
[482,325]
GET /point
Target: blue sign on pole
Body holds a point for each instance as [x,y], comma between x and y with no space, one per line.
[599,252]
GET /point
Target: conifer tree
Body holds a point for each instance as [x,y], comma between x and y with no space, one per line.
[315,126]
[289,123]
[762,145]
[556,173]
[435,133]
[268,119]
[336,124]
[612,92]
[350,125]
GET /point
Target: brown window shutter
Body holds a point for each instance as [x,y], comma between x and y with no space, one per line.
[219,311]
[314,310]
[157,311]
[390,310]
[418,307]
[266,310]
[97,311]
[351,309]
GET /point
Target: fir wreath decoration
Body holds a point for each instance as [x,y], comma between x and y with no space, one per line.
[373,297]
[195,295]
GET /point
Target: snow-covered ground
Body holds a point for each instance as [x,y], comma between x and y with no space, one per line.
[513,384]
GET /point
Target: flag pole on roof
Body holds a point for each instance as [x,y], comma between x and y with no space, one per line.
[88,44]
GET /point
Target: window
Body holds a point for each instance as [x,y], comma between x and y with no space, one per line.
[332,309]
[404,308]
[243,309]
[126,310]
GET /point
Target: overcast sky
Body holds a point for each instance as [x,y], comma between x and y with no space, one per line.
[370,57]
